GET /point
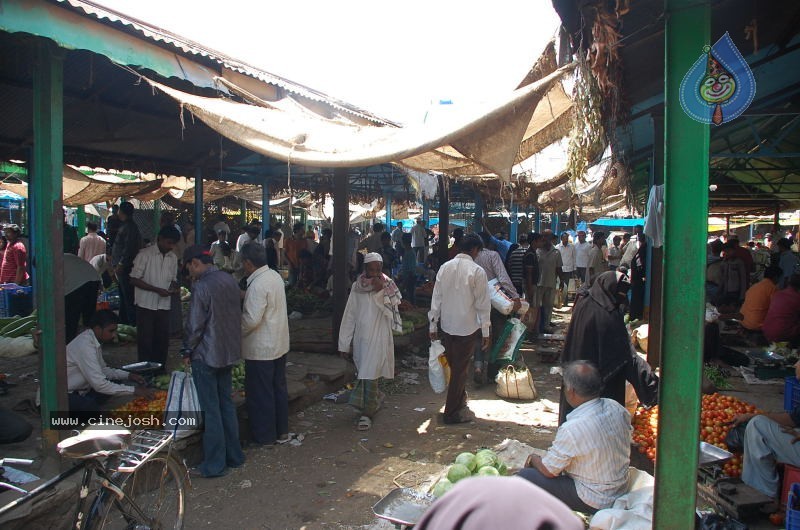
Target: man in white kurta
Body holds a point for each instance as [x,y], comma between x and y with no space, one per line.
[367,324]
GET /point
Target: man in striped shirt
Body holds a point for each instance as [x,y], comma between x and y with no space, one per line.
[587,465]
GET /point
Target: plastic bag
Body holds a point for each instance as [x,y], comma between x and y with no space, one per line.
[515,383]
[183,415]
[509,341]
[498,298]
[435,368]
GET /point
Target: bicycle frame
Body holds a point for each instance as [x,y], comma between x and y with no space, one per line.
[110,492]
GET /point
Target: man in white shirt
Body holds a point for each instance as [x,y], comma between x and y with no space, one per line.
[631,247]
[102,264]
[582,248]
[419,240]
[587,465]
[460,306]
[154,278]
[567,252]
[81,285]
[265,342]
[596,264]
[397,237]
[89,380]
[91,244]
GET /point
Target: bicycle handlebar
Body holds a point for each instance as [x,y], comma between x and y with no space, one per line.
[17,461]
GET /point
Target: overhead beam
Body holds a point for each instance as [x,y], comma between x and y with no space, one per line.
[73,31]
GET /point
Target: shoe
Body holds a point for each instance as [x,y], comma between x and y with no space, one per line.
[461,417]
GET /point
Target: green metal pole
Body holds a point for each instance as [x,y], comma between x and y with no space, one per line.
[243,213]
[80,214]
[46,216]
[686,144]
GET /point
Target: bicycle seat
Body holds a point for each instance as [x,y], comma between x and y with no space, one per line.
[93,443]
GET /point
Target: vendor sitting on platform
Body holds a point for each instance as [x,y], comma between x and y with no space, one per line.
[769,438]
[782,322]
[89,380]
[587,465]
[757,299]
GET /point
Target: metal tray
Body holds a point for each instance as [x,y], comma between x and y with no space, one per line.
[403,506]
[144,366]
[711,454]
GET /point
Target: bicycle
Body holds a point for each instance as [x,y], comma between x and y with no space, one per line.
[136,486]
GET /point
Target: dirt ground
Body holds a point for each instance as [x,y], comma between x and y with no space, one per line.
[332,480]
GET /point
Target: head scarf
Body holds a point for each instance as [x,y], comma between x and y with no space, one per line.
[510,503]
[372,256]
[604,288]
[390,302]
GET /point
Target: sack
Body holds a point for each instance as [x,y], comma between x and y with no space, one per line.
[509,341]
[436,374]
[182,415]
[515,383]
[500,301]
[735,438]
[558,299]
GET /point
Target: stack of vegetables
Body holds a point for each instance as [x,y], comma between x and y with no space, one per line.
[307,303]
[716,414]
[13,327]
[238,376]
[15,335]
[126,333]
[412,319]
[139,405]
[484,463]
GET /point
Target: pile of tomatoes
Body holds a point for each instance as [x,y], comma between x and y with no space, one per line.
[157,404]
[717,411]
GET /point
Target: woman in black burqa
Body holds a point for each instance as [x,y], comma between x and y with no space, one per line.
[597,333]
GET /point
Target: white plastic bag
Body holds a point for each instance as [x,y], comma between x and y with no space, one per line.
[183,415]
[435,369]
[499,300]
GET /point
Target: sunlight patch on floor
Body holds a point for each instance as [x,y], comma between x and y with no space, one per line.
[541,413]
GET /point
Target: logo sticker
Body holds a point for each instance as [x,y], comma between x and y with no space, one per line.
[719,86]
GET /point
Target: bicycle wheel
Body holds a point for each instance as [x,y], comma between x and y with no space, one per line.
[157,487]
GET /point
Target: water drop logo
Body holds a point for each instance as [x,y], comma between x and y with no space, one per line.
[719,86]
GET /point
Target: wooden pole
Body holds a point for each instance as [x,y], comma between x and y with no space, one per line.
[444,219]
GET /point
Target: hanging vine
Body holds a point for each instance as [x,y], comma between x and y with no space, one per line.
[588,133]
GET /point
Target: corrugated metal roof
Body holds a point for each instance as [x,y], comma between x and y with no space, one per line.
[189,47]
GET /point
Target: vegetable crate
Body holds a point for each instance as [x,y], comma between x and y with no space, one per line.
[15,300]
[791,393]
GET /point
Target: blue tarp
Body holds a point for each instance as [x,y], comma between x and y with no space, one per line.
[618,222]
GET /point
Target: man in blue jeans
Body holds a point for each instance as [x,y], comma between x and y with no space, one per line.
[212,345]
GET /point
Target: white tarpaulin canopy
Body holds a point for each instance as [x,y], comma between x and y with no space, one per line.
[484,141]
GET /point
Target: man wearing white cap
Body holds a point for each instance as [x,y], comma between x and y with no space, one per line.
[369,318]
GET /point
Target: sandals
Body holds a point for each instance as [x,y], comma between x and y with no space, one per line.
[286,438]
[364,423]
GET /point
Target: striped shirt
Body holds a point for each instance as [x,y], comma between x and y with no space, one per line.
[593,447]
[515,267]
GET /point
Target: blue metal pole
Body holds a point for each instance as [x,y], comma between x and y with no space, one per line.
[537,220]
[513,233]
[477,225]
[426,211]
[388,212]
[198,206]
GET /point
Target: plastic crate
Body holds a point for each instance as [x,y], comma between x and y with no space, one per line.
[15,300]
[791,393]
[792,508]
